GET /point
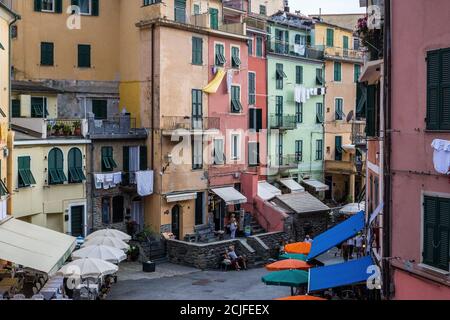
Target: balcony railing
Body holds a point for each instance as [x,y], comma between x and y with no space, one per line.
[342,53]
[255,23]
[283,122]
[359,133]
[189,123]
[121,126]
[285,162]
[236,4]
[65,128]
[288,49]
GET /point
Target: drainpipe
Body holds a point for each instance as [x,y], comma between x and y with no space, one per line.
[153,95]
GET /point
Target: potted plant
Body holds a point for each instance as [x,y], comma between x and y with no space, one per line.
[133,253]
[67,130]
[77,128]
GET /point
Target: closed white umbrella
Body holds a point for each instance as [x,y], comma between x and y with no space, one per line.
[88,268]
[102,252]
[107,241]
[353,208]
[112,233]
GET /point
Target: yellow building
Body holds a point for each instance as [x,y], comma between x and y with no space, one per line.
[343,61]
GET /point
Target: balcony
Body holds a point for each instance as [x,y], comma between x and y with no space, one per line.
[283,48]
[344,54]
[241,5]
[359,137]
[255,23]
[341,167]
[189,124]
[283,122]
[51,129]
[121,127]
[285,162]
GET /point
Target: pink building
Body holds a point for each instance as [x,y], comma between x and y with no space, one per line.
[418,101]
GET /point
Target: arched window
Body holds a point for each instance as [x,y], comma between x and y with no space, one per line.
[75,165]
[56,173]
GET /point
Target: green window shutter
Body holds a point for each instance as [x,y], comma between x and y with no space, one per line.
[235,59]
[357,70]
[58,6]
[75,2]
[443,236]
[259,122]
[337,71]
[15,108]
[251,88]
[345,42]
[84,56]
[433,84]
[299,75]
[180,11]
[430,230]
[143,161]
[339,150]
[330,38]
[38,5]
[47,54]
[214,18]
[445,90]
[126,159]
[259,47]
[95,7]
[252,119]
[197,51]
[75,165]
[371,111]
[236,105]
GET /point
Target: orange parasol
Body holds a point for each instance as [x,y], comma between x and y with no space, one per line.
[299,247]
[289,264]
[303,298]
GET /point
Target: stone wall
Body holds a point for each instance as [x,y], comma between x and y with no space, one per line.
[313,224]
[272,241]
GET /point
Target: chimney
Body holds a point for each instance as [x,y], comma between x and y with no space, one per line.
[286,6]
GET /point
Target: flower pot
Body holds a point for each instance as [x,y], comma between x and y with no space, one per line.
[77,132]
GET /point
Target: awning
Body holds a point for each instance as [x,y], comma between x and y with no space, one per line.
[177,197]
[317,185]
[292,185]
[266,191]
[303,202]
[230,195]
[353,208]
[335,236]
[376,213]
[338,275]
[214,85]
[349,148]
[34,247]
[371,72]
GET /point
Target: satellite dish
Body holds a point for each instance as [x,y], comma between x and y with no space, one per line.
[350,116]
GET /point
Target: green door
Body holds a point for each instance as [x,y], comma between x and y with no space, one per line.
[345,45]
[214,16]
[76,217]
[180,11]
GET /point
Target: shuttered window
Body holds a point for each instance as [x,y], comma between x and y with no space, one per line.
[253,154]
[339,151]
[84,56]
[108,163]
[371,114]
[319,113]
[56,173]
[47,54]
[197,51]
[88,7]
[259,46]
[48,6]
[214,18]
[298,74]
[438,90]
[15,108]
[357,72]
[235,57]
[255,116]
[330,38]
[251,88]
[319,150]
[279,76]
[180,11]
[436,233]
[299,112]
[219,155]
[299,151]
[75,165]
[236,106]
[337,71]
[26,178]
[220,59]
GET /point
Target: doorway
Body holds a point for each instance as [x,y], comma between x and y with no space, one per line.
[329,183]
[199,209]
[137,213]
[176,215]
[77,221]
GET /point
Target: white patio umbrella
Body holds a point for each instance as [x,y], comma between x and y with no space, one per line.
[112,233]
[353,208]
[102,252]
[107,241]
[88,268]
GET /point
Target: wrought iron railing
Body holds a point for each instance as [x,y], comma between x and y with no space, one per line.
[286,122]
[117,125]
[359,133]
[295,50]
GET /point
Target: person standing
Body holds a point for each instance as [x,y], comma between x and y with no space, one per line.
[233,227]
[359,245]
[350,247]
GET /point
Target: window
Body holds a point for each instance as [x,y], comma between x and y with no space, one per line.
[196,9]
[298,74]
[299,151]
[262,10]
[250,47]
[100,109]
[253,154]
[438,90]
[26,178]
[134,159]
[15,108]
[330,38]
[319,77]
[219,155]
[281,41]
[197,109]
[235,147]
[319,113]
[220,55]
[39,107]
[48,6]
[56,173]
[52,6]
[259,47]
[106,210]
[180,11]
[299,112]
[357,72]
[251,88]
[149,2]
[84,56]
[47,54]
[255,116]
[280,75]
[87,7]
[339,108]
[76,173]
[214,18]
[280,149]
[372,106]
[235,57]
[337,71]
[345,45]
[436,233]
[236,106]
[319,150]
[118,209]
[279,105]
[108,163]
[197,152]
[339,151]
[197,51]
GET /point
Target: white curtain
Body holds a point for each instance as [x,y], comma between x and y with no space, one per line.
[137,213]
[134,163]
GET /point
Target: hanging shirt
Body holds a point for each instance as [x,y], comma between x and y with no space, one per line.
[441,157]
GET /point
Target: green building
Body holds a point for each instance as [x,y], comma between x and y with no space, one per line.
[296,130]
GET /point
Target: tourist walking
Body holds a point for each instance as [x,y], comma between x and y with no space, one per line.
[233,227]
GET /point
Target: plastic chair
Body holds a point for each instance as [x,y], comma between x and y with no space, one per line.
[38,297]
[19,297]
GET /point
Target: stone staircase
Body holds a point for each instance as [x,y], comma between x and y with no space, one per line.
[256,227]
